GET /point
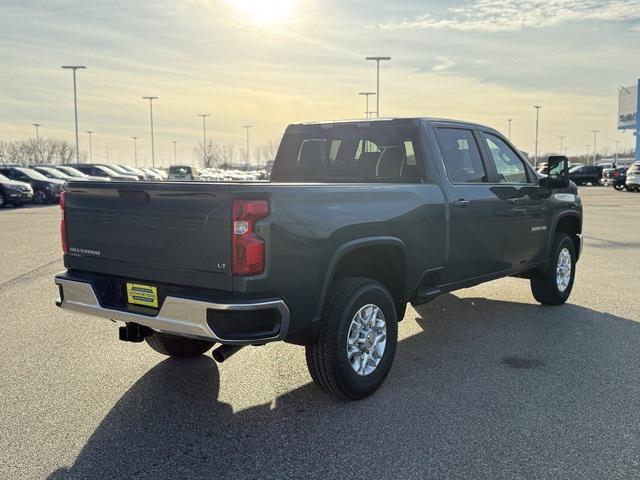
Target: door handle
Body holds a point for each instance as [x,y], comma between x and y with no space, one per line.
[461,203]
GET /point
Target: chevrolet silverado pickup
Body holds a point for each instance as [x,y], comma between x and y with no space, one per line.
[359,218]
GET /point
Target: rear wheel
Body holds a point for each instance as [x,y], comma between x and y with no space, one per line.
[553,283]
[618,186]
[357,340]
[178,347]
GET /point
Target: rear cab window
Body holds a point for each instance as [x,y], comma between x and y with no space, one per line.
[359,152]
[461,155]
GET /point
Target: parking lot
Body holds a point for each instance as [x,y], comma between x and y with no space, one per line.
[486,383]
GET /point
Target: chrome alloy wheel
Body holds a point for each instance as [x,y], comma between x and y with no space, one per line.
[367,339]
[563,270]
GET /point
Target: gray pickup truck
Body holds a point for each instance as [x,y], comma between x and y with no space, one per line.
[359,218]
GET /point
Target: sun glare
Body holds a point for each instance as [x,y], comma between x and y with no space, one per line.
[264,12]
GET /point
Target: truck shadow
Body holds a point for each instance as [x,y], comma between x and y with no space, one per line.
[487,389]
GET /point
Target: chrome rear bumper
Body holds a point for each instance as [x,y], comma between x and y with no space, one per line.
[177,316]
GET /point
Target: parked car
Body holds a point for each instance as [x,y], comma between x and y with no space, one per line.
[51,172]
[359,219]
[141,173]
[632,182]
[96,170]
[77,174]
[13,192]
[45,190]
[584,174]
[614,177]
[183,173]
[151,172]
[159,171]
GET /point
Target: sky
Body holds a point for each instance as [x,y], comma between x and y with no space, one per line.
[269,64]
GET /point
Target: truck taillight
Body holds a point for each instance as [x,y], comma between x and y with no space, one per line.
[63,225]
[247,247]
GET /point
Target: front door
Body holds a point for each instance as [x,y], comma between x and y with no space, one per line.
[526,219]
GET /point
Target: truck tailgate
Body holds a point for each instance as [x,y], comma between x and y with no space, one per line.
[162,232]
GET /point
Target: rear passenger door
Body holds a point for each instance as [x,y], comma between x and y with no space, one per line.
[476,231]
[524,208]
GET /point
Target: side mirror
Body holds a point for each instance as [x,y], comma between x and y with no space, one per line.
[558,166]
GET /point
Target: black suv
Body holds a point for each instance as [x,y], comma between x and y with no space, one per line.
[583,174]
[45,190]
[14,193]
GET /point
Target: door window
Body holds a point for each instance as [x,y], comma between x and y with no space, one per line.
[509,166]
[461,156]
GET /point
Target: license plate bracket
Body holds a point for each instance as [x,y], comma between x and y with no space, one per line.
[140,294]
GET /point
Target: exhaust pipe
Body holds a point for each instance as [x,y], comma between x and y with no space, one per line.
[223,352]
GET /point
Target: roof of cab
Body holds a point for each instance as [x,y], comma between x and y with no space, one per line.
[392,119]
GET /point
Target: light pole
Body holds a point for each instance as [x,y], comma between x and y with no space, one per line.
[175,152]
[537,107]
[595,146]
[37,125]
[588,152]
[90,132]
[135,150]
[509,122]
[366,95]
[562,137]
[617,150]
[75,104]
[247,127]
[204,135]
[153,153]
[378,60]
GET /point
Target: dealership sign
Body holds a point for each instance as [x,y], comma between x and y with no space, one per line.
[627,107]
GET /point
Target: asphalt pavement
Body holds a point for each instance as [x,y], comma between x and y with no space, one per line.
[486,383]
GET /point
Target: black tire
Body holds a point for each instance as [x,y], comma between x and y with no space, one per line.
[618,187]
[3,202]
[40,197]
[544,284]
[18,204]
[177,347]
[327,359]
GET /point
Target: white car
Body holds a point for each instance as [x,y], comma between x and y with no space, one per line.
[183,173]
[633,178]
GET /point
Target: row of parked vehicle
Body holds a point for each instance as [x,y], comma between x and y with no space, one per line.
[619,177]
[43,184]
[623,178]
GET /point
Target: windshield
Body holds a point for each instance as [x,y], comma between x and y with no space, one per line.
[108,171]
[118,169]
[32,174]
[350,152]
[3,178]
[72,172]
[52,173]
[577,167]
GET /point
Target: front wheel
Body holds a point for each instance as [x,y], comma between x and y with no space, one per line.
[618,186]
[357,341]
[177,347]
[39,197]
[553,283]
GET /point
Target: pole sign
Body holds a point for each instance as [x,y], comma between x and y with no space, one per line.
[629,112]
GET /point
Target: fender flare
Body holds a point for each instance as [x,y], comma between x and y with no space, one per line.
[350,246]
[554,229]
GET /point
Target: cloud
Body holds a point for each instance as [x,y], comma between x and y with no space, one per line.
[514,15]
[444,64]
